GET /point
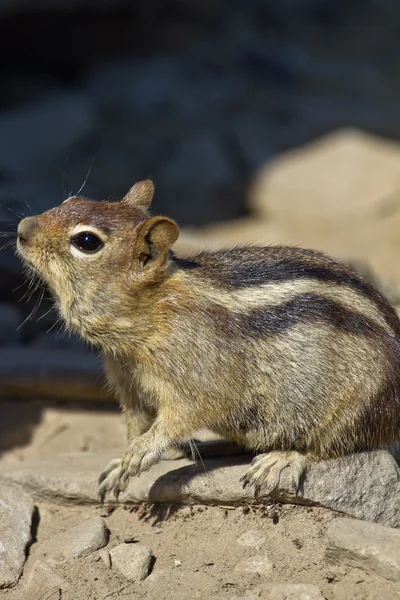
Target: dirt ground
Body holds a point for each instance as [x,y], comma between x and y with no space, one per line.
[198,551]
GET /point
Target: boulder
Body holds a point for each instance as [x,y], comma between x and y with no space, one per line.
[345,175]
[364,485]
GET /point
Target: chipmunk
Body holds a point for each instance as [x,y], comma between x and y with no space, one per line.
[281,350]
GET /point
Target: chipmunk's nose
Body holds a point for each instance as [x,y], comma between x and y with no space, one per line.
[25,229]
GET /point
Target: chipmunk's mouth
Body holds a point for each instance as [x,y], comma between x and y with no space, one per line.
[22,251]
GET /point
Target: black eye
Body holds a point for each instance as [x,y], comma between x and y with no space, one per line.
[88,242]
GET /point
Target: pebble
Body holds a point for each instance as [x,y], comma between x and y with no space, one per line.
[133,561]
[105,557]
[77,542]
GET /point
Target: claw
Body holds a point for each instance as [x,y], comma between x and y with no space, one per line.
[108,478]
[266,469]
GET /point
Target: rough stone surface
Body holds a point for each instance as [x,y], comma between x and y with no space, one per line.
[256,564]
[42,580]
[133,561]
[366,485]
[78,541]
[16,511]
[367,546]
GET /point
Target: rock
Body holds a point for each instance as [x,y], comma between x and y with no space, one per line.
[42,580]
[36,372]
[348,175]
[16,511]
[132,561]
[367,546]
[364,485]
[42,131]
[77,542]
[252,539]
[105,557]
[10,319]
[256,564]
[177,562]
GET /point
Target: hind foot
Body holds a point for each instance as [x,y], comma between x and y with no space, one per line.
[265,470]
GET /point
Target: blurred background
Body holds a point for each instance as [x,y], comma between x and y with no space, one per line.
[261,121]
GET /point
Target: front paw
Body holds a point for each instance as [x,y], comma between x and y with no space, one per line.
[109,478]
[116,475]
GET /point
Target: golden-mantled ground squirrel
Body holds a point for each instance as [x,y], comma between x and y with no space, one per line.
[281,350]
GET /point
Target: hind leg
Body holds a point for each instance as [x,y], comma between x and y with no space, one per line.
[266,469]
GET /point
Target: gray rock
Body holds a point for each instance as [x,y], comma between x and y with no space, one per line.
[35,372]
[365,485]
[10,319]
[16,511]
[42,580]
[133,561]
[39,132]
[77,542]
[367,546]
[256,564]
[252,539]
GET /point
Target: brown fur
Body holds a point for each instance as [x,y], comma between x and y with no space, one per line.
[281,350]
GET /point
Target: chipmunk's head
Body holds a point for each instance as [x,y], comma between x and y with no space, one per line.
[97,256]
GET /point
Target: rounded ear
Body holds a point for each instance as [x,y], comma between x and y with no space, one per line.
[141,194]
[154,239]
